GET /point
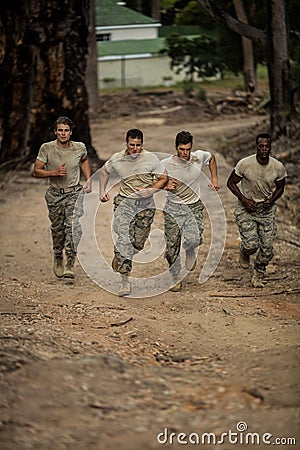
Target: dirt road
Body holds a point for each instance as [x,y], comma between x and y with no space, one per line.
[83,369]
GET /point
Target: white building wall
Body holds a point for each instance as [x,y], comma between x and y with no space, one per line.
[136,72]
[129,32]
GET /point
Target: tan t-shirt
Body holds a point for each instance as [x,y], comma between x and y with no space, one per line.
[134,173]
[258,180]
[188,175]
[53,156]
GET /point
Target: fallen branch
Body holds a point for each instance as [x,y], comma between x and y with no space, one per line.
[285,291]
[160,111]
[140,94]
[118,324]
[8,313]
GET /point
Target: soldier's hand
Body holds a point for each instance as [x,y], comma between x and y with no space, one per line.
[61,170]
[267,203]
[172,184]
[87,187]
[104,198]
[250,204]
[214,184]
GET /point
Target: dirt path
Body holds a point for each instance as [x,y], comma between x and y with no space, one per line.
[83,369]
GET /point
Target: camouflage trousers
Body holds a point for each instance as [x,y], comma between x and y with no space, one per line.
[257,231]
[182,223]
[64,217]
[132,224]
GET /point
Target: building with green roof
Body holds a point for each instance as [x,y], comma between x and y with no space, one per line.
[128,46]
[114,22]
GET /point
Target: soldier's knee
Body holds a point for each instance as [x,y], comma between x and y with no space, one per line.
[250,249]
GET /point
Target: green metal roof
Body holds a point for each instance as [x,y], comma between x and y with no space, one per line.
[185,30]
[130,47]
[109,13]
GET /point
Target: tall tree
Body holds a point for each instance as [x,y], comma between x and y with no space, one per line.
[44,47]
[91,70]
[155,9]
[274,40]
[248,53]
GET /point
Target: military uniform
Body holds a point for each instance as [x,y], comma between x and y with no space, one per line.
[63,194]
[183,210]
[258,228]
[133,214]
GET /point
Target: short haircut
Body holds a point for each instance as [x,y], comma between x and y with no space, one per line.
[134,133]
[263,136]
[183,137]
[65,121]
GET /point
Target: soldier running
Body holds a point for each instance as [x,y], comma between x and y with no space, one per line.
[262,183]
[60,161]
[141,175]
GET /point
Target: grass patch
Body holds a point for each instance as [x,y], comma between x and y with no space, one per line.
[229,82]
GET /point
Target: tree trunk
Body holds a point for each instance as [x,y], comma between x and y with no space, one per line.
[279,68]
[155,9]
[275,43]
[248,55]
[139,6]
[43,72]
[92,67]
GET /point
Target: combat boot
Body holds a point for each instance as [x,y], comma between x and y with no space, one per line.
[114,264]
[58,266]
[257,279]
[125,285]
[177,285]
[69,269]
[244,260]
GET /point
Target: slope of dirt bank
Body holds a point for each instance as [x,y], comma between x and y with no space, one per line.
[83,369]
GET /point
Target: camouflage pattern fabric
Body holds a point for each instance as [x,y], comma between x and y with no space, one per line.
[181,223]
[257,231]
[64,217]
[132,224]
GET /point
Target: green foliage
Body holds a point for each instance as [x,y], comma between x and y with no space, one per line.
[193,14]
[187,87]
[202,95]
[193,56]
[229,48]
[167,4]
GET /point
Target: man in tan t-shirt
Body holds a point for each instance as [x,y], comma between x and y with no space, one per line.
[61,161]
[262,181]
[183,210]
[141,174]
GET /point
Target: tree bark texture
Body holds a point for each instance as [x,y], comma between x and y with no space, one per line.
[91,71]
[155,9]
[279,68]
[44,47]
[248,54]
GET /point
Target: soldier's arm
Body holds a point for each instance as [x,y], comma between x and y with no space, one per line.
[85,167]
[39,170]
[104,177]
[232,184]
[277,193]
[161,181]
[214,172]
